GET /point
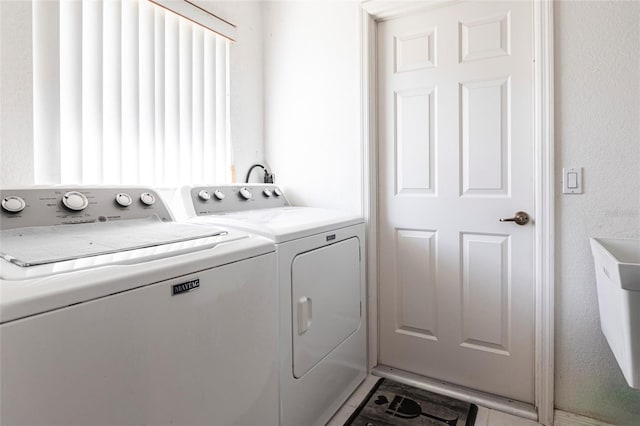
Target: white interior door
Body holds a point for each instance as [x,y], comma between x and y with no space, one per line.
[456,155]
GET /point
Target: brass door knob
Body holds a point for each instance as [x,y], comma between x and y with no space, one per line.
[521,218]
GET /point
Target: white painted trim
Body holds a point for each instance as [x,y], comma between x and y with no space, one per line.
[562,418]
[516,408]
[201,15]
[373,10]
[369,174]
[544,210]
[383,10]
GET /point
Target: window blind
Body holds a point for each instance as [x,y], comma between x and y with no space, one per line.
[126,92]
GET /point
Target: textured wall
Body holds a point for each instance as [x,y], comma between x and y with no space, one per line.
[598,127]
[312,101]
[16,94]
[246,59]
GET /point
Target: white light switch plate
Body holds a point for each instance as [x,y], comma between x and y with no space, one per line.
[572,180]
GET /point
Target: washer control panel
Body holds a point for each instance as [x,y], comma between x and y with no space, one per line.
[222,199]
[41,206]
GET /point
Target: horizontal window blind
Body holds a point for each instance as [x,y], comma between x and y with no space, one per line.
[126,92]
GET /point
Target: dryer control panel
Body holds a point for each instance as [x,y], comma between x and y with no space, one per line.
[220,199]
[71,205]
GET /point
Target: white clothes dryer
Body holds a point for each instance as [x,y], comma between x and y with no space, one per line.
[112,313]
[321,290]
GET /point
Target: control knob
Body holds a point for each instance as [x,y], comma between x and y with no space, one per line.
[277,192]
[245,193]
[13,204]
[123,200]
[204,195]
[219,194]
[267,193]
[74,200]
[147,198]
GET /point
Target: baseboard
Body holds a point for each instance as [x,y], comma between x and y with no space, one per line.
[562,418]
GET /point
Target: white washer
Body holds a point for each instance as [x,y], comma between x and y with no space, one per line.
[114,314]
[322,292]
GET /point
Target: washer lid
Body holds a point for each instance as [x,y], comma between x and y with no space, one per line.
[40,245]
[284,223]
[26,291]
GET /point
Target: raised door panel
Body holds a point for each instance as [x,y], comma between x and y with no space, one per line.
[416,292]
[415,51]
[485,38]
[415,141]
[485,292]
[485,130]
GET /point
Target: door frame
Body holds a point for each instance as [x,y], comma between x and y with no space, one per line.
[371,13]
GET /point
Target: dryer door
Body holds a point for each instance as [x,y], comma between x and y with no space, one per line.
[325,301]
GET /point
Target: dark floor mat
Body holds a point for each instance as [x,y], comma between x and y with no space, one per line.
[395,404]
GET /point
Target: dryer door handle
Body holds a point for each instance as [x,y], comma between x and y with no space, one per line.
[304,315]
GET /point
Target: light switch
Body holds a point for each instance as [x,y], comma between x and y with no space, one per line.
[572,181]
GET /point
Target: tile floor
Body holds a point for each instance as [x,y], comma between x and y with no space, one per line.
[485,417]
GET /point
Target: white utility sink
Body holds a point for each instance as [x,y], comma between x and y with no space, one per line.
[617,267]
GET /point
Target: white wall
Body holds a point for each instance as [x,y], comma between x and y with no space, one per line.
[16,82]
[597,126]
[312,98]
[16,94]
[246,68]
